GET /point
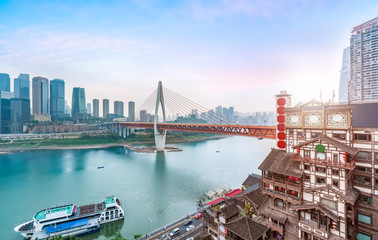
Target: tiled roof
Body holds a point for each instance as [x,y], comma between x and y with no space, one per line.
[230,209]
[351,196]
[342,146]
[246,228]
[251,180]
[320,206]
[278,161]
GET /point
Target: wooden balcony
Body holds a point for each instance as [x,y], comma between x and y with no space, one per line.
[326,162]
[274,226]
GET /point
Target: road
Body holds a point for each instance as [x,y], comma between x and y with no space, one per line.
[164,233]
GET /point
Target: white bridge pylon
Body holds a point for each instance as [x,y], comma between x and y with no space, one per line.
[160,135]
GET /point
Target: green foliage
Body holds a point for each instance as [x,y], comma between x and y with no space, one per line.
[137,236]
[118,236]
[66,238]
[248,209]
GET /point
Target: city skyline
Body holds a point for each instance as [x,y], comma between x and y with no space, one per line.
[233,51]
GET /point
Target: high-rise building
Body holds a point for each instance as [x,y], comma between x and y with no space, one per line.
[22,86]
[89,109]
[363,85]
[20,114]
[344,76]
[79,110]
[4,82]
[131,111]
[5,112]
[105,107]
[40,95]
[118,108]
[96,108]
[57,99]
[219,110]
[143,116]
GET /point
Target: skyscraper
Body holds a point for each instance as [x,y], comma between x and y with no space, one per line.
[78,104]
[57,99]
[4,82]
[118,108]
[143,116]
[105,107]
[22,86]
[344,76]
[40,95]
[363,85]
[5,112]
[96,108]
[89,109]
[131,111]
[20,114]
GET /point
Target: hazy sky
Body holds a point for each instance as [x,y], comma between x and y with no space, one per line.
[229,52]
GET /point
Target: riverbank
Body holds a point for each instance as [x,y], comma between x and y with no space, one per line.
[101,141]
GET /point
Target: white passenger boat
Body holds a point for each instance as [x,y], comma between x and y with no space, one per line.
[70,219]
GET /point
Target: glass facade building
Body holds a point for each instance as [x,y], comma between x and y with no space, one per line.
[4,82]
[40,95]
[57,99]
[22,86]
[20,114]
[79,110]
[118,108]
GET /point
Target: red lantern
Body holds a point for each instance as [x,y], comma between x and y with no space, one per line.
[345,156]
[268,185]
[298,150]
[279,188]
[293,192]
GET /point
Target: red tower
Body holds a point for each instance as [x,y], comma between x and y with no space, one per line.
[283,100]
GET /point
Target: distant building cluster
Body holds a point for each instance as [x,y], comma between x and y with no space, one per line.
[44,101]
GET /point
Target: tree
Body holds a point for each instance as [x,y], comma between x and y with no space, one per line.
[248,209]
[137,236]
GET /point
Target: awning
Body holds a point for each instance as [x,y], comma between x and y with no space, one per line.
[233,193]
[215,201]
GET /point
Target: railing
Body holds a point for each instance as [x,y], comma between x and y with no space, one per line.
[326,162]
[281,182]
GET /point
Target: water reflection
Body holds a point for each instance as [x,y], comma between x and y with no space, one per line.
[107,230]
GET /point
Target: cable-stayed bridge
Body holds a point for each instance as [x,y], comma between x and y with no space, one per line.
[164,110]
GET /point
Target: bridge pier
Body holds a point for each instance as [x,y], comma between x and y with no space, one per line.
[120,130]
[124,132]
[160,135]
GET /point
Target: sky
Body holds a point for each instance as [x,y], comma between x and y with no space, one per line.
[236,53]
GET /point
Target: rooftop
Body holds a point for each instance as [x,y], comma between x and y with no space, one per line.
[278,161]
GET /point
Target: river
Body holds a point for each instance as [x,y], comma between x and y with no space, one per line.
[162,187]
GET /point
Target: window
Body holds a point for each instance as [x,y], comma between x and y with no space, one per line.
[306,167]
[280,190]
[307,154]
[291,131]
[315,135]
[364,156]
[365,199]
[335,183]
[376,157]
[363,180]
[320,180]
[279,203]
[320,169]
[329,203]
[335,157]
[300,135]
[363,169]
[339,136]
[335,172]
[362,218]
[362,137]
[362,236]
[307,177]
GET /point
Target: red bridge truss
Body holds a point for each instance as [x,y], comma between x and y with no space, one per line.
[240,130]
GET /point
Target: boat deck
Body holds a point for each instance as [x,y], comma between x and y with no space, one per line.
[90,209]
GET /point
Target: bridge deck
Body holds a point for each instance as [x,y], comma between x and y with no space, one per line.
[240,130]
